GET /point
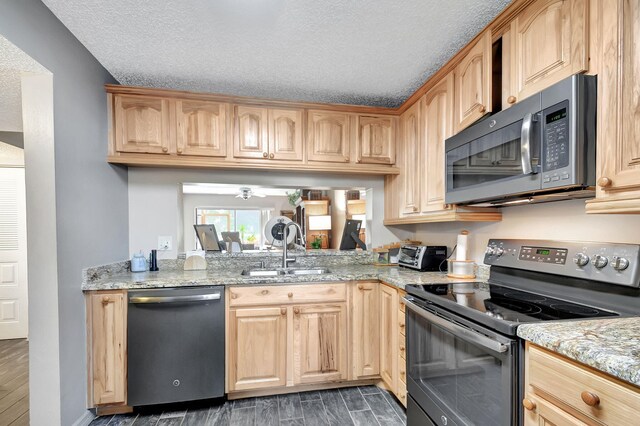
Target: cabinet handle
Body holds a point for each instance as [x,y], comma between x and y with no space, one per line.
[296,311]
[511,100]
[165,149]
[401,325]
[265,292]
[106,300]
[290,295]
[271,156]
[360,287]
[591,399]
[179,150]
[528,404]
[604,182]
[234,296]
[265,155]
[283,311]
[482,109]
[414,208]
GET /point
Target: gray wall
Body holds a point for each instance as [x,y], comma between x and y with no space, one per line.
[91,196]
[13,138]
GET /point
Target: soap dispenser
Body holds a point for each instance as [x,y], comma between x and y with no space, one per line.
[138,262]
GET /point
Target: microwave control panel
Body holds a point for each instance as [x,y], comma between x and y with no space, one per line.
[556,138]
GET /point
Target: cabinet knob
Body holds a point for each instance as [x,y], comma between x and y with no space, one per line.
[589,398]
[360,287]
[265,292]
[106,300]
[414,208]
[511,100]
[296,311]
[604,182]
[179,150]
[271,156]
[482,109]
[290,295]
[234,296]
[401,325]
[283,311]
[265,155]
[528,404]
[165,149]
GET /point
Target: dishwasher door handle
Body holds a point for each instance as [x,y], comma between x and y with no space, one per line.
[173,299]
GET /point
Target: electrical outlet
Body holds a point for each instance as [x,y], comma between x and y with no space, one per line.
[165,243]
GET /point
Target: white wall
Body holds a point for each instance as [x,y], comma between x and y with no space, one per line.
[191,201]
[563,220]
[156,208]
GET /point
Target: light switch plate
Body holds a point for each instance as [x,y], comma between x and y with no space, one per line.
[165,243]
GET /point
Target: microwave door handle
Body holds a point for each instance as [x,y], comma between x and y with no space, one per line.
[463,332]
[525,144]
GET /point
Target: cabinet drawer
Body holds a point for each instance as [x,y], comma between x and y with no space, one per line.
[401,323]
[402,394]
[277,295]
[402,347]
[402,372]
[613,402]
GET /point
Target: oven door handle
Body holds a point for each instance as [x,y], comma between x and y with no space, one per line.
[463,332]
[525,144]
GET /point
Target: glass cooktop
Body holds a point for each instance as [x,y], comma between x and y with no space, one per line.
[504,303]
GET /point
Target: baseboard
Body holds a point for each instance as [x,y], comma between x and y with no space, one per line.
[85,419]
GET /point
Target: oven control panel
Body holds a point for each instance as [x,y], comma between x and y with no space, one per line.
[607,262]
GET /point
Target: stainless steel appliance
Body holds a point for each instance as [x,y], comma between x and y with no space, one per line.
[539,148]
[423,258]
[464,359]
[175,345]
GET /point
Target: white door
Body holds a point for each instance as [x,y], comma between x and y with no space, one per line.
[13,254]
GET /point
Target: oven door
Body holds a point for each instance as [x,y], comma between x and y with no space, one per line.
[458,372]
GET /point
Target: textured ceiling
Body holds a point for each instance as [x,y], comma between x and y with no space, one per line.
[371,53]
[13,63]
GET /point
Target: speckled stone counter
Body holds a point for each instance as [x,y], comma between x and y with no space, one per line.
[609,345]
[398,277]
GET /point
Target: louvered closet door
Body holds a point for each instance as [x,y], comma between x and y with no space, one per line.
[13,254]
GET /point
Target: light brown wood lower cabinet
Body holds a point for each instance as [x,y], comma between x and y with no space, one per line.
[560,391]
[365,320]
[393,341]
[107,337]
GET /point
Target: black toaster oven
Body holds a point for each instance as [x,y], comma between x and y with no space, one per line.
[423,258]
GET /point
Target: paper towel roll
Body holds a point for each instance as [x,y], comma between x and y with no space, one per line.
[461,251]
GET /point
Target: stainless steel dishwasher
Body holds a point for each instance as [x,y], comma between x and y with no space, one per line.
[175,345]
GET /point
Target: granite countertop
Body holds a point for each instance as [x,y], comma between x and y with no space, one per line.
[609,345]
[396,276]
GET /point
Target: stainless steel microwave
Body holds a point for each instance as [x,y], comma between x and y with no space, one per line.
[541,147]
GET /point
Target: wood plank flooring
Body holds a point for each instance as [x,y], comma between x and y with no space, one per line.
[14,382]
[359,406]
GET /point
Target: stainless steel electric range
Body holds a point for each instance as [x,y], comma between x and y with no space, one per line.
[464,360]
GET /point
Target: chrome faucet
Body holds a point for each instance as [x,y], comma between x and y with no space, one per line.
[285,232]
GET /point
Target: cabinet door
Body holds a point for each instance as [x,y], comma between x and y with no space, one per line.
[108,337]
[376,139]
[250,132]
[319,343]
[473,84]
[438,121]
[366,330]
[257,344]
[202,128]
[329,136]
[389,336]
[618,146]
[412,170]
[546,414]
[549,43]
[142,124]
[285,134]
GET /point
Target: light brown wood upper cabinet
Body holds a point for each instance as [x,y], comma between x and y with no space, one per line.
[319,343]
[411,124]
[107,336]
[285,134]
[202,128]
[257,347]
[438,125]
[142,124]
[376,139]
[473,84]
[329,136]
[365,333]
[548,41]
[251,132]
[618,146]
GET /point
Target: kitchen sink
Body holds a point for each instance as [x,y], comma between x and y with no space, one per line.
[278,272]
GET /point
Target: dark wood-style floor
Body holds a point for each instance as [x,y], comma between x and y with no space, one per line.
[14,382]
[363,406]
